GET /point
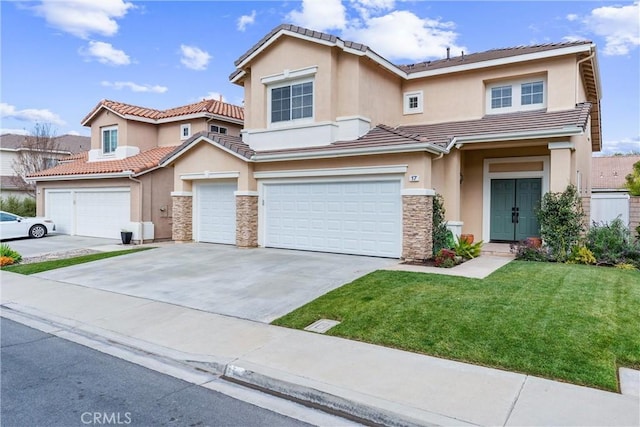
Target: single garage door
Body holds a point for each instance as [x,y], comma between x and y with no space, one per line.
[100,212]
[215,220]
[359,217]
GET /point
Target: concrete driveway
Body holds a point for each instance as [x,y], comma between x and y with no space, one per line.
[56,243]
[257,284]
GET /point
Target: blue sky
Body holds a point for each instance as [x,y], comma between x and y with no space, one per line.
[60,58]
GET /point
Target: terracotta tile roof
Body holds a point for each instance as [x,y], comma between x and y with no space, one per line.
[440,135]
[487,56]
[610,172]
[137,164]
[206,106]
[68,143]
[232,143]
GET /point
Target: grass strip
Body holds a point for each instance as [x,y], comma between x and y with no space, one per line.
[39,267]
[566,322]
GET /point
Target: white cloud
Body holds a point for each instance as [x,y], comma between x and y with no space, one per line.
[404,35]
[320,15]
[572,17]
[245,20]
[619,25]
[105,53]
[194,57]
[135,87]
[29,115]
[84,17]
[366,8]
[624,145]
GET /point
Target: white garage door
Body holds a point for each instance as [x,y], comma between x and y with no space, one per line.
[215,220]
[360,218]
[100,212]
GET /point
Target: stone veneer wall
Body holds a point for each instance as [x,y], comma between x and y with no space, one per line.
[181,229]
[247,221]
[417,227]
[634,214]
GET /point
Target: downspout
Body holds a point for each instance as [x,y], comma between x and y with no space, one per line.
[140,197]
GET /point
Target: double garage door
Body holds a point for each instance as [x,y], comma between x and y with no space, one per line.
[100,212]
[351,217]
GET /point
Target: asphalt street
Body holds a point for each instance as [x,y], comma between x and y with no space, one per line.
[48,381]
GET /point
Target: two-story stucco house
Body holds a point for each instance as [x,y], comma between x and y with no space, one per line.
[118,184]
[343,151]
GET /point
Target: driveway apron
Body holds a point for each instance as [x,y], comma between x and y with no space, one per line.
[257,284]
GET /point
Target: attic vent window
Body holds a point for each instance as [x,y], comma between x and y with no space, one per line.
[218,129]
[413,102]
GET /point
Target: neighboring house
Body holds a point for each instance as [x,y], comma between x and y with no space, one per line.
[118,184]
[343,151]
[610,199]
[11,147]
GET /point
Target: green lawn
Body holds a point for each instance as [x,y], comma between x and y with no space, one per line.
[569,322]
[39,267]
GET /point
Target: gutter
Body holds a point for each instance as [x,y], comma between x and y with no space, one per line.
[407,148]
[459,141]
[125,174]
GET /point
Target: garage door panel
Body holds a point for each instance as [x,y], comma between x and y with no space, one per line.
[59,207]
[345,217]
[216,213]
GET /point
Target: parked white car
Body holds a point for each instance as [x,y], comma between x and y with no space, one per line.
[12,226]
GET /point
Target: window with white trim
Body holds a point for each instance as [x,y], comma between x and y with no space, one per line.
[185,131]
[516,95]
[109,139]
[291,102]
[218,129]
[413,102]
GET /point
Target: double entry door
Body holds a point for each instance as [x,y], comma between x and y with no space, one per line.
[513,205]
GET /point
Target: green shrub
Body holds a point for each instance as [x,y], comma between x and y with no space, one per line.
[21,207]
[527,250]
[6,251]
[447,258]
[625,266]
[581,255]
[441,236]
[561,220]
[611,243]
[467,250]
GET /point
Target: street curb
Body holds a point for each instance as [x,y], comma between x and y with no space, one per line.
[357,406]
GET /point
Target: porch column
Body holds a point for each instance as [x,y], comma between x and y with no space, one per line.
[561,166]
[452,191]
[182,226]
[417,224]
[246,219]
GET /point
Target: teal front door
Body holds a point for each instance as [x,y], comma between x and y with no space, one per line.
[513,204]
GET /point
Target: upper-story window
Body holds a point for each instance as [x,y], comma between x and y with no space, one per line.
[413,103]
[218,129]
[516,95]
[185,131]
[109,139]
[292,102]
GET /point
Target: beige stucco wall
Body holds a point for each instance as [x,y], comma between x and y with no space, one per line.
[141,135]
[156,202]
[169,133]
[380,94]
[207,157]
[107,118]
[462,96]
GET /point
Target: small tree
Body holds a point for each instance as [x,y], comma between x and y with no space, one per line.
[561,219]
[36,153]
[633,180]
[439,231]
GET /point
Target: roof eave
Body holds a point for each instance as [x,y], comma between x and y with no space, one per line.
[124,174]
[173,157]
[514,136]
[346,152]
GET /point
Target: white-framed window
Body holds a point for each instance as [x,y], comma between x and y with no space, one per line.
[291,102]
[413,102]
[185,131]
[109,139]
[218,129]
[516,95]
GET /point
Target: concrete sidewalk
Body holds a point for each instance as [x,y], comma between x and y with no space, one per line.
[378,384]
